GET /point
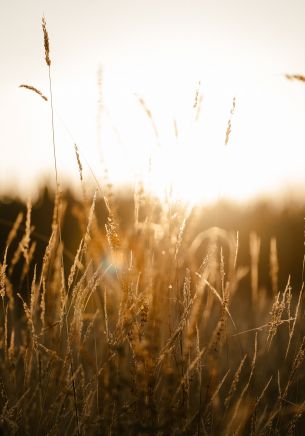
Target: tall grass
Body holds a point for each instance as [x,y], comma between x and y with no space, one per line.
[150,331]
[158,332]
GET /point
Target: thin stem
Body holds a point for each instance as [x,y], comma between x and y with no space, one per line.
[55,163]
[61,246]
[72,377]
[53,128]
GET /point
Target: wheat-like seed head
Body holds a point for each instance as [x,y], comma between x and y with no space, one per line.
[3,267]
[235,382]
[150,116]
[14,230]
[28,229]
[46,42]
[298,77]
[80,167]
[32,88]
[197,96]
[30,255]
[229,125]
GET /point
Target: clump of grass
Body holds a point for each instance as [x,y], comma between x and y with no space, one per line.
[155,332]
[149,344]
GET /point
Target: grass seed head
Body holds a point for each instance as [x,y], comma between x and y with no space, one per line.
[46,42]
[32,88]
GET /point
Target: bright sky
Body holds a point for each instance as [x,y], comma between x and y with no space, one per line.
[158,50]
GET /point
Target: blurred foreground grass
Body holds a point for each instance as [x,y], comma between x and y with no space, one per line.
[157,321]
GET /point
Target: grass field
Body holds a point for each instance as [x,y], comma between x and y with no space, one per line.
[148,327]
[152,330]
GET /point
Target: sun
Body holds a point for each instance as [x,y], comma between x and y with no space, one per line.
[172,136]
[175,144]
[180,149]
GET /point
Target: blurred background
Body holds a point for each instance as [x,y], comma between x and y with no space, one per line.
[113,62]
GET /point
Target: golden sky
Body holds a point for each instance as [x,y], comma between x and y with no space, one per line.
[158,50]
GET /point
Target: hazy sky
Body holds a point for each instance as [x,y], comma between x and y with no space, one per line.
[158,50]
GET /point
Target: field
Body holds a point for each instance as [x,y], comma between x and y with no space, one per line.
[135,316]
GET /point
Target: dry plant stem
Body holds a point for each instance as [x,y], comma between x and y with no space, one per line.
[150,117]
[295,320]
[274,266]
[48,61]
[255,245]
[245,389]
[53,134]
[80,150]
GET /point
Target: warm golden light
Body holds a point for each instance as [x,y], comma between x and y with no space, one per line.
[169,144]
[152,267]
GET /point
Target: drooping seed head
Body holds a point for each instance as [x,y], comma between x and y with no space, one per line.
[32,88]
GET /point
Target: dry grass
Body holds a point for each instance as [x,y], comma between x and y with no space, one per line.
[150,332]
[146,337]
[32,88]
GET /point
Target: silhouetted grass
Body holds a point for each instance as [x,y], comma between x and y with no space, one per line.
[166,330]
[132,316]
